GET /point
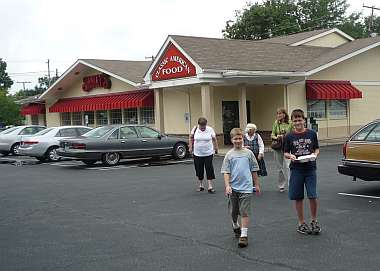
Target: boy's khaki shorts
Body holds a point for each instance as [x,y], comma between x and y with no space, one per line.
[240,203]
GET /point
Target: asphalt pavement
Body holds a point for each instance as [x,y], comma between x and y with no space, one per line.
[146,215]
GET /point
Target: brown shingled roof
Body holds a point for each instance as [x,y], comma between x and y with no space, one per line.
[243,55]
[130,70]
[293,38]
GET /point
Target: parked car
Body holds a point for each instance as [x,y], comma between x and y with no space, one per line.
[11,138]
[362,153]
[2,129]
[109,144]
[45,143]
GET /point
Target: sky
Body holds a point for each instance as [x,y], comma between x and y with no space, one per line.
[34,31]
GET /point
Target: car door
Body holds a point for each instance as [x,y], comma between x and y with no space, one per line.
[153,142]
[124,140]
[365,145]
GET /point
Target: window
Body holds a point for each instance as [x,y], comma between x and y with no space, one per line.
[337,109]
[102,117]
[31,130]
[362,134]
[114,135]
[316,109]
[67,132]
[147,115]
[76,118]
[89,118]
[130,116]
[34,119]
[374,135]
[82,131]
[128,132]
[116,117]
[65,118]
[99,132]
[148,132]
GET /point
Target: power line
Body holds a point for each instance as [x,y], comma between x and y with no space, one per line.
[371,19]
[23,83]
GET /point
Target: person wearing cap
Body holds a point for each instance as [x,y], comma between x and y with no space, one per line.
[203,145]
[254,142]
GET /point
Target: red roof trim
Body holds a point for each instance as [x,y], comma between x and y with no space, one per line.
[331,90]
[33,109]
[121,100]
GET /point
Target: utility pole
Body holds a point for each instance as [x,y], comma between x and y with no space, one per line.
[56,73]
[371,19]
[23,83]
[48,62]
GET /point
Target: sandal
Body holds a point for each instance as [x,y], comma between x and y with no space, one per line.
[200,189]
[211,190]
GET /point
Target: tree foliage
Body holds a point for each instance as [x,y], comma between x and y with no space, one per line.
[281,17]
[5,81]
[43,84]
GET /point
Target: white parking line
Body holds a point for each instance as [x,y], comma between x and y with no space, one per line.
[359,196]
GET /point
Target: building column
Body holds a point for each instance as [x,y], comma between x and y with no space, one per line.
[159,121]
[243,106]
[208,103]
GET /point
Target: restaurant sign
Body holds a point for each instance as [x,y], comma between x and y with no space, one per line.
[173,65]
[96,81]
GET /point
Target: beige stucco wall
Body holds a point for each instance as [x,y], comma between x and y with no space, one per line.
[331,40]
[76,88]
[296,97]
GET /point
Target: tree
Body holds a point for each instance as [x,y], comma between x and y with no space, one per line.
[281,17]
[43,84]
[5,81]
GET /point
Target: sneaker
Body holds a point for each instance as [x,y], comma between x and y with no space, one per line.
[304,229]
[282,190]
[315,227]
[237,232]
[243,241]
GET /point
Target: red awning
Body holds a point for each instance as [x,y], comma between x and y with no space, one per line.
[33,109]
[130,99]
[331,90]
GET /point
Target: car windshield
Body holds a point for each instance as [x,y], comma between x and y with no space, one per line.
[9,130]
[98,132]
[43,132]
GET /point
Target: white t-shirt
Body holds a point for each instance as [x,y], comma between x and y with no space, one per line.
[203,141]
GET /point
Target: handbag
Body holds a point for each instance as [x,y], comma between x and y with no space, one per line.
[276,144]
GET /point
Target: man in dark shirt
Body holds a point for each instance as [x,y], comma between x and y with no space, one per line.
[298,143]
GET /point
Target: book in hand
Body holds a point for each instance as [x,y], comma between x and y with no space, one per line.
[306,158]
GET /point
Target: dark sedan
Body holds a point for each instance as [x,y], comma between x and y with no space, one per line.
[111,143]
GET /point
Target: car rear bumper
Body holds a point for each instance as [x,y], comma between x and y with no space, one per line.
[364,173]
[79,154]
[34,152]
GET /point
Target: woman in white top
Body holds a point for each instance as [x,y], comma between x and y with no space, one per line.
[203,145]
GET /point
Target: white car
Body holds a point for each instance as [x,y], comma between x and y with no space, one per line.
[11,138]
[43,145]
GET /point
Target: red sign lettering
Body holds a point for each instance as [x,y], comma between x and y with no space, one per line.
[173,64]
[96,81]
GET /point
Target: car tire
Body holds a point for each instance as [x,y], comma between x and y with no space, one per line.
[89,162]
[41,159]
[14,148]
[180,151]
[5,153]
[111,159]
[51,154]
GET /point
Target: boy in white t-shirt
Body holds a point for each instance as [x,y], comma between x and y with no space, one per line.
[203,145]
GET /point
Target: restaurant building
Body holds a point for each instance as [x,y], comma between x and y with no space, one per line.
[328,74]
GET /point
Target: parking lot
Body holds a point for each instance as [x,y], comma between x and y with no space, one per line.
[146,215]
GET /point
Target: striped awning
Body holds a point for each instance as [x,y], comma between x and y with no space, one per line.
[123,100]
[33,109]
[331,90]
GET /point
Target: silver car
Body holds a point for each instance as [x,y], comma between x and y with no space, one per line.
[11,138]
[43,145]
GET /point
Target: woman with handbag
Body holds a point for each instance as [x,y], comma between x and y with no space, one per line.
[254,142]
[203,145]
[280,128]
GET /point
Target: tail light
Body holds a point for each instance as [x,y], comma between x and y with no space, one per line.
[29,142]
[78,146]
[345,150]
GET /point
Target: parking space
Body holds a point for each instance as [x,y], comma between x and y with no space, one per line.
[146,215]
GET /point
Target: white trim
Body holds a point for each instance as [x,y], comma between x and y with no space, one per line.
[357,195]
[320,35]
[365,83]
[169,39]
[237,73]
[332,63]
